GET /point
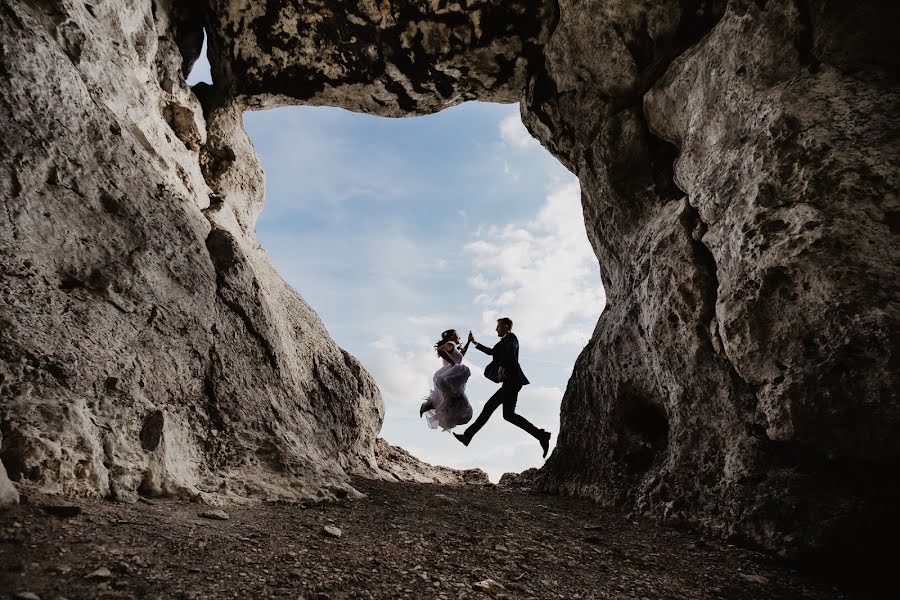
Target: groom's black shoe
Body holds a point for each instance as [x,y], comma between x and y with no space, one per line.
[545,442]
[462,438]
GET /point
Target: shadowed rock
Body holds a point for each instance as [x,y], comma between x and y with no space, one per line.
[387,58]
[738,179]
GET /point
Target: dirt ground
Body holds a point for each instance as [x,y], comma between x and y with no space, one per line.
[401,541]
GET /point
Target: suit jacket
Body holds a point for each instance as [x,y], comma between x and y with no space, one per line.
[505,354]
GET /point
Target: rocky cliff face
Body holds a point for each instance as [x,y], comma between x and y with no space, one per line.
[739,177]
[146,343]
[739,172]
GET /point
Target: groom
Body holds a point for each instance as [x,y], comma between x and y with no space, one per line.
[504,369]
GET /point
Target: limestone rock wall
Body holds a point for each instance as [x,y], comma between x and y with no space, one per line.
[146,343]
[739,171]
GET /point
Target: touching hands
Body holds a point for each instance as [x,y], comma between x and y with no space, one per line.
[471,336]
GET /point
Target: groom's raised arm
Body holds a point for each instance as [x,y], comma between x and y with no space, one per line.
[484,348]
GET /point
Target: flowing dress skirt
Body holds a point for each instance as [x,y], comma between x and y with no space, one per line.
[449,405]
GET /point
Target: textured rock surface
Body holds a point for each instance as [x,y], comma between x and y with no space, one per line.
[146,343]
[403,466]
[387,58]
[9,495]
[744,374]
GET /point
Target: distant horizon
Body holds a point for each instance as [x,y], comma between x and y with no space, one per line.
[394,230]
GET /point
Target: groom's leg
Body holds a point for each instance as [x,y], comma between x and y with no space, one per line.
[489,407]
[511,397]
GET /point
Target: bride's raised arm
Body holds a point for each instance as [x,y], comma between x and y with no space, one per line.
[445,350]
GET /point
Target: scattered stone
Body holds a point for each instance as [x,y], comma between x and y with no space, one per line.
[122,567]
[487,586]
[146,500]
[9,496]
[101,573]
[26,596]
[753,578]
[138,560]
[218,514]
[332,531]
[62,509]
[183,560]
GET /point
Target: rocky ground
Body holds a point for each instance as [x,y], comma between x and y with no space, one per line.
[401,541]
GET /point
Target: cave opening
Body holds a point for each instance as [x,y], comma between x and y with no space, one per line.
[396,229]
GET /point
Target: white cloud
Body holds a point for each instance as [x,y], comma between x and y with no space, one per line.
[543,275]
[479,282]
[431,321]
[514,133]
[404,376]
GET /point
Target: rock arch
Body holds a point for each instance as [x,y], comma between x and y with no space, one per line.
[739,172]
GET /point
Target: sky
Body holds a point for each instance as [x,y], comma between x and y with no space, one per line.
[394,230]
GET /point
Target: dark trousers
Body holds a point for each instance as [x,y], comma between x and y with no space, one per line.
[507,395]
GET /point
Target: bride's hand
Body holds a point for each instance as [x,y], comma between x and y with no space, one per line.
[471,336]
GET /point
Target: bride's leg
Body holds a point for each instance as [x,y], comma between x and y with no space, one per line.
[426,406]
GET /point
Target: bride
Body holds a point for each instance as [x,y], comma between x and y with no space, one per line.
[447,406]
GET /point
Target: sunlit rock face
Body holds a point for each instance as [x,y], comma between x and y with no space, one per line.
[744,373]
[739,173]
[146,342]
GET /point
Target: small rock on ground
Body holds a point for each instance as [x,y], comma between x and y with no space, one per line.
[219,515]
[332,531]
[101,573]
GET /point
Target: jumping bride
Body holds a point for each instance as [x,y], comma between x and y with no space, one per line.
[447,405]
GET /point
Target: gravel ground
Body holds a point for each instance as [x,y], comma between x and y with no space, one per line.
[401,541]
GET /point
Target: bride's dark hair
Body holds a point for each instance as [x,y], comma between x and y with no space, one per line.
[445,337]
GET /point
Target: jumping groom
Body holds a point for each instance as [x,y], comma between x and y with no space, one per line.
[504,369]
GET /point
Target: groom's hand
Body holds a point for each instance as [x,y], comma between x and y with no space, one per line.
[471,336]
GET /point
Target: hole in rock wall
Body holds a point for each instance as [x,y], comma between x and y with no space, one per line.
[396,229]
[645,431]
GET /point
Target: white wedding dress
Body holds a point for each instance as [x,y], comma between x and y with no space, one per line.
[449,405]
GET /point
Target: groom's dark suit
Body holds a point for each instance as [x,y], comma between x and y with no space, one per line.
[505,354]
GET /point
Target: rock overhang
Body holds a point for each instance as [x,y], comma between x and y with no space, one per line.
[384,58]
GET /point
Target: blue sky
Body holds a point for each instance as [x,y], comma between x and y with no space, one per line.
[396,229]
